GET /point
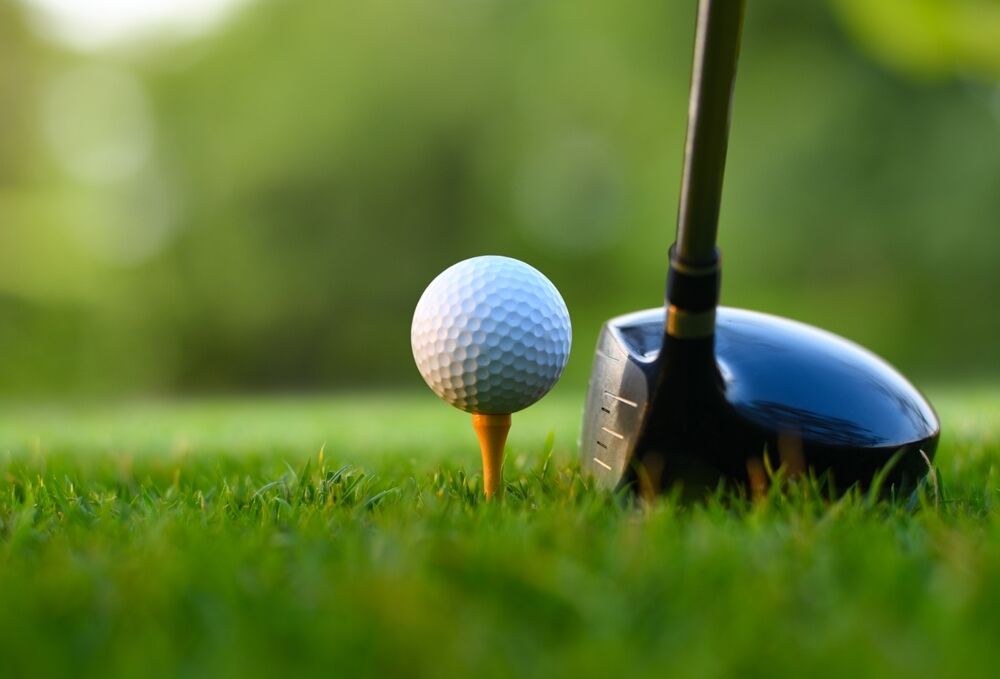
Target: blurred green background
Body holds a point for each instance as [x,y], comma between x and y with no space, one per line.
[253,195]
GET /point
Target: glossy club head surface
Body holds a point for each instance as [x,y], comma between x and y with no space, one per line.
[803,396]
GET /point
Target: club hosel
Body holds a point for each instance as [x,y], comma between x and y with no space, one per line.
[692,297]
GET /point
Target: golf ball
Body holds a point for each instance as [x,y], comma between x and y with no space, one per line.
[491,335]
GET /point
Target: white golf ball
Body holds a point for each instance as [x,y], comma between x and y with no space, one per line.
[491,335]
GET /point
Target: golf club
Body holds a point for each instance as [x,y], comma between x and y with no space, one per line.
[697,395]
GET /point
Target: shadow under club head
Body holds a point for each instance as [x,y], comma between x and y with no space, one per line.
[806,398]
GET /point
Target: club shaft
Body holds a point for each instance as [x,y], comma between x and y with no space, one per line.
[717,46]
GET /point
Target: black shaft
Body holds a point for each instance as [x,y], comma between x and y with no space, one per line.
[717,46]
[681,427]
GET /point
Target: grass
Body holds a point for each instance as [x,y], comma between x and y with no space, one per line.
[346,536]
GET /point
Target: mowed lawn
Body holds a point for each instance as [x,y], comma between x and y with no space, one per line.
[345,535]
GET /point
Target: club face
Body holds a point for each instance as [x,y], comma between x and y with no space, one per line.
[620,384]
[812,399]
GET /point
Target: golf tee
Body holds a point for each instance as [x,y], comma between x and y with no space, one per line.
[492,433]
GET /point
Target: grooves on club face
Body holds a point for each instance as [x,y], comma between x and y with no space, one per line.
[762,386]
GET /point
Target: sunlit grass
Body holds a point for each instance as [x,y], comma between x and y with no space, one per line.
[266,537]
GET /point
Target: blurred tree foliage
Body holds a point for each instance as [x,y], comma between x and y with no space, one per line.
[929,38]
[261,207]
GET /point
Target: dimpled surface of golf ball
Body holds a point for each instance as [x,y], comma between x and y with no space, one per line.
[491,335]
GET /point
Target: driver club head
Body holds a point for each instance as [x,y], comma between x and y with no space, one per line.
[806,398]
[694,394]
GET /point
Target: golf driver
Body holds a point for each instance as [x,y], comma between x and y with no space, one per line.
[697,395]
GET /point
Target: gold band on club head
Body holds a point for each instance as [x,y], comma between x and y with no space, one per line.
[690,325]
